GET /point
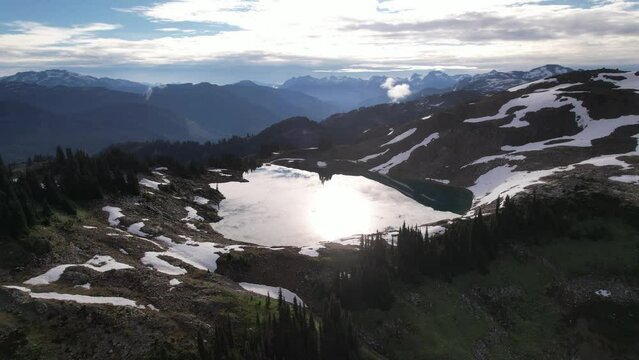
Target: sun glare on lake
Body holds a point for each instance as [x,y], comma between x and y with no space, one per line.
[284,206]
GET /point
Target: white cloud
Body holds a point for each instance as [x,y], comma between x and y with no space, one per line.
[373,68]
[360,35]
[176,30]
[395,91]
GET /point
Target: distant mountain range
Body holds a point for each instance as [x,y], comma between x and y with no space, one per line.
[39,110]
[349,93]
[55,77]
[236,109]
[495,81]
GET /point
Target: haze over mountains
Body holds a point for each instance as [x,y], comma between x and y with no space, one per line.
[39,110]
[351,93]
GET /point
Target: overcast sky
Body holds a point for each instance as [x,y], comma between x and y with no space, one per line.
[268,41]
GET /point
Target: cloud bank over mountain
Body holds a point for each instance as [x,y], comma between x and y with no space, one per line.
[358,36]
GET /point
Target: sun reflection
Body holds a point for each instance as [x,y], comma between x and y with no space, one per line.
[339,211]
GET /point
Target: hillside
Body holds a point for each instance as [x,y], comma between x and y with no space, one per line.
[76,110]
[238,109]
[28,130]
[495,81]
[499,144]
[519,277]
[55,77]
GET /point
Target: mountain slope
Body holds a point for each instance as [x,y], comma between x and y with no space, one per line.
[504,142]
[55,77]
[102,116]
[496,81]
[35,119]
[351,93]
[236,109]
[583,122]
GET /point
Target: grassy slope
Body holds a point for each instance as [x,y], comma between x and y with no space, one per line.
[439,320]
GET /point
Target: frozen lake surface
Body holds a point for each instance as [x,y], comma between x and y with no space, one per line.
[285,206]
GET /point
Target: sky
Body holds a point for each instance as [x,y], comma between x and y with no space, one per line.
[269,41]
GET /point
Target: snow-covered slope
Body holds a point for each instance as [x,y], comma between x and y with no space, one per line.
[495,81]
[502,143]
[56,77]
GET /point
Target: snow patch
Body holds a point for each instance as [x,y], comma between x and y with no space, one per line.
[114,214]
[321,164]
[436,230]
[151,184]
[629,179]
[603,293]
[290,160]
[401,157]
[443,181]
[200,255]
[192,215]
[81,299]
[531,102]
[200,200]
[174,282]
[135,229]
[503,181]
[400,137]
[311,250]
[371,157]
[526,85]
[100,263]
[630,80]
[192,226]
[271,291]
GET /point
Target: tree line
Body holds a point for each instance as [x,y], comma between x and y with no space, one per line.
[32,192]
[290,332]
[468,244]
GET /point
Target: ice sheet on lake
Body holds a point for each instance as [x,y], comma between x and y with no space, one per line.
[299,210]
